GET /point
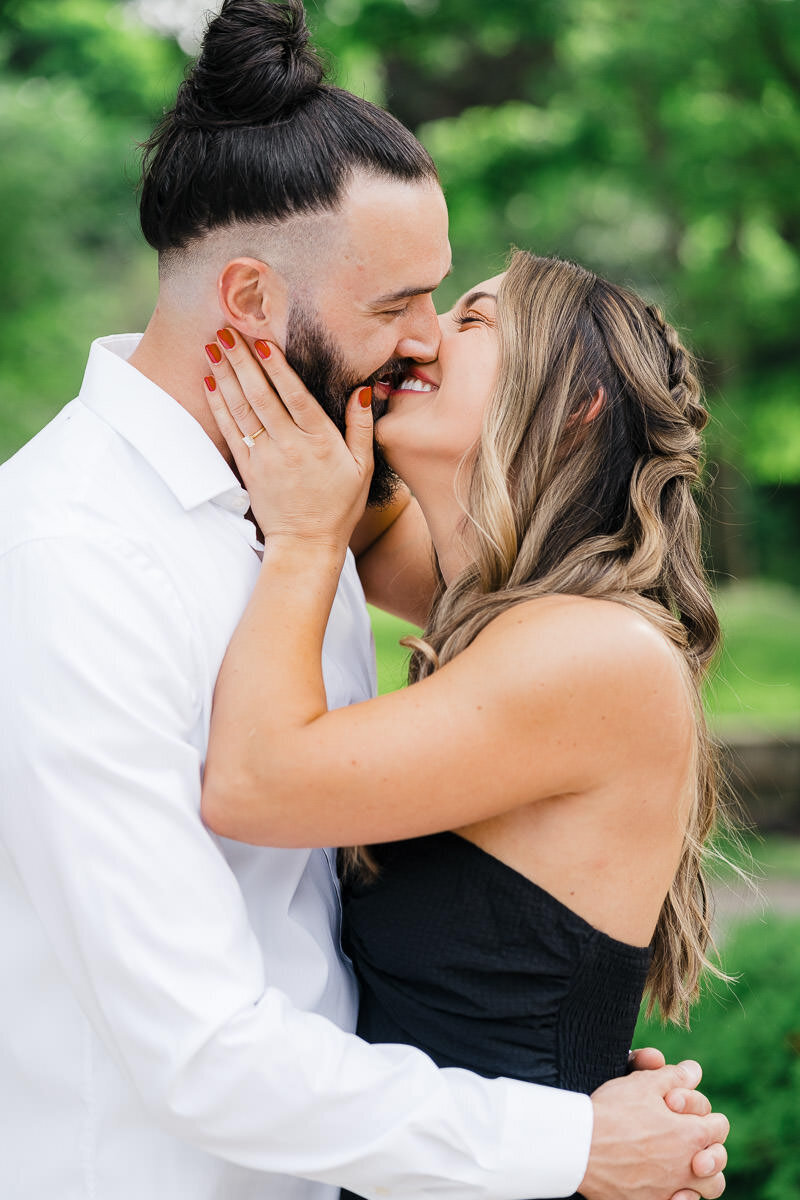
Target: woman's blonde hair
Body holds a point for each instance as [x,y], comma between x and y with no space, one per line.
[561,500]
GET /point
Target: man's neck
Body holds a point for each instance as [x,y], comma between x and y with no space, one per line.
[170,354]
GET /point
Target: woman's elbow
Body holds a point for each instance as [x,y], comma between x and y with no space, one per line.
[224,807]
[237,809]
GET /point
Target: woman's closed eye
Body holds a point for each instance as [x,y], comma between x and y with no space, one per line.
[470,317]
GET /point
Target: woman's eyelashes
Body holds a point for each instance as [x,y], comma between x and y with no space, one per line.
[471,317]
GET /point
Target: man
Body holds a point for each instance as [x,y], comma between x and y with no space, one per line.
[168,1021]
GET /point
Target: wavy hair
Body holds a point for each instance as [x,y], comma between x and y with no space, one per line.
[603,507]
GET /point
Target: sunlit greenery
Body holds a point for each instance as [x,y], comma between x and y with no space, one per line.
[746,1035]
[758,676]
[762,858]
[80,86]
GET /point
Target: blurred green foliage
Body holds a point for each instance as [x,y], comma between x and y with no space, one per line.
[746,1035]
[655,143]
[760,858]
[392,658]
[758,675]
[80,85]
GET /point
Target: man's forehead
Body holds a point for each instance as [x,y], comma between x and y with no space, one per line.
[396,231]
[373,194]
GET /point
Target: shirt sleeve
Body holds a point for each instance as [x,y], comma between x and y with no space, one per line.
[99,810]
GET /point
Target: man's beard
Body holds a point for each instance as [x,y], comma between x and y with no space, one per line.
[311,352]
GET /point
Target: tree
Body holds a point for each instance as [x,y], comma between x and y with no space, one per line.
[655,143]
[81,85]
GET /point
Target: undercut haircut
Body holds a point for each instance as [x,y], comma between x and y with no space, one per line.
[257,135]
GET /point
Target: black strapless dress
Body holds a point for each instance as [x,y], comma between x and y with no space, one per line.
[460,955]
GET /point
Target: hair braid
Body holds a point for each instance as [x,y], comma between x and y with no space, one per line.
[683,382]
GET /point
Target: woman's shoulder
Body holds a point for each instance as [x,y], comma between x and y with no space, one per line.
[584,646]
[601,626]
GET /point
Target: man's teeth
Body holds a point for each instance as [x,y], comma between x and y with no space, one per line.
[412,384]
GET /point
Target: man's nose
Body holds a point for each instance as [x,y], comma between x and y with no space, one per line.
[421,339]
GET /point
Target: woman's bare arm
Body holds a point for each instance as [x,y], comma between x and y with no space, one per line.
[559,696]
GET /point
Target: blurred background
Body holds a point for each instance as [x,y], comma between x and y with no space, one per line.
[656,143]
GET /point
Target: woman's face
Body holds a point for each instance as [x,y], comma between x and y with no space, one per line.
[434,417]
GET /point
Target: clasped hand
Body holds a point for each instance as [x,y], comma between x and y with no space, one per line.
[304,480]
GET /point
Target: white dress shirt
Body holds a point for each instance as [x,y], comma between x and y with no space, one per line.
[174,1007]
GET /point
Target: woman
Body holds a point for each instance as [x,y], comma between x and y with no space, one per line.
[536,802]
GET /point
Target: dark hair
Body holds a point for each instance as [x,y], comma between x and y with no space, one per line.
[257,134]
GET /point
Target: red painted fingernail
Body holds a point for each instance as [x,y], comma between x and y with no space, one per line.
[210,383]
[262,348]
[214,353]
[226,337]
[365,397]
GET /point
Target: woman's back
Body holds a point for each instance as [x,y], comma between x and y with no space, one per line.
[462,956]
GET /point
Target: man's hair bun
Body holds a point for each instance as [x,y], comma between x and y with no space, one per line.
[256,134]
[255,65]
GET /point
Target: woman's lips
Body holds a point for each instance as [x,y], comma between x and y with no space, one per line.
[415,383]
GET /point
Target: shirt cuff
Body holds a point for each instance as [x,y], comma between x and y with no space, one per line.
[546,1143]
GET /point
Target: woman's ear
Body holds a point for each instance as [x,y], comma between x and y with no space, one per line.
[598,401]
[595,407]
[253,298]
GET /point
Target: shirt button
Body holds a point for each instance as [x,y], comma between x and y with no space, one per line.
[235,502]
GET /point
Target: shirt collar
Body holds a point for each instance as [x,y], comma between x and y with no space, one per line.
[171,441]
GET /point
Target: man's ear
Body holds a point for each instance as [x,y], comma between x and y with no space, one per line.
[253,298]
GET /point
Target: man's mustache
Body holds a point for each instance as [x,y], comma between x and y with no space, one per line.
[392,373]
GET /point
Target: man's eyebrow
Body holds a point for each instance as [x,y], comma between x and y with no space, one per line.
[407,293]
